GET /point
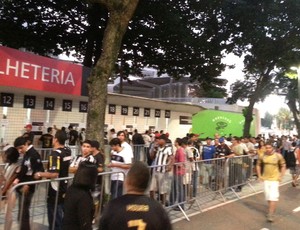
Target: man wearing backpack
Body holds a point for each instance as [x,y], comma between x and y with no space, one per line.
[58,167]
[274,169]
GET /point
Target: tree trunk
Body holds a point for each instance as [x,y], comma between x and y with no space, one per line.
[292,105]
[248,118]
[120,13]
[261,85]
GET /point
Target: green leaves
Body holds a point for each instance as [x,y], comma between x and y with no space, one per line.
[176,37]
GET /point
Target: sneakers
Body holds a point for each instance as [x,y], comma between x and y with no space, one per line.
[270,217]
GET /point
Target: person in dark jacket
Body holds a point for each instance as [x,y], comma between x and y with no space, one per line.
[138,144]
[30,165]
[79,205]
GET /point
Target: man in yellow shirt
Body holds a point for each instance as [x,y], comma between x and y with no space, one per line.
[273,170]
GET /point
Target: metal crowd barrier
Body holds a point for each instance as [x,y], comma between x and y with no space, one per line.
[178,188]
[188,182]
[140,152]
[38,209]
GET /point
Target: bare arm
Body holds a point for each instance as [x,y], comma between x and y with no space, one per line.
[258,170]
[48,175]
[282,167]
[73,169]
[8,183]
[118,165]
[100,169]
[153,153]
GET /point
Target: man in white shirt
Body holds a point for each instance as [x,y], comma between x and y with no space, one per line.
[121,135]
[121,160]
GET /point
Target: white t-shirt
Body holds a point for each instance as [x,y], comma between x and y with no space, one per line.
[123,157]
[147,140]
[193,153]
[128,147]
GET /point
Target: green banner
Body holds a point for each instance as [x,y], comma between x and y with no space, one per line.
[209,122]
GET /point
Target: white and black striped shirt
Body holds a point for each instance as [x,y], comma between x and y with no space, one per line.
[163,153]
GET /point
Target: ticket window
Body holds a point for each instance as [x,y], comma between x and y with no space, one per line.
[3,125]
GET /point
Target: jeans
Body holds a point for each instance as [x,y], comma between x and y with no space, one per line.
[24,206]
[137,152]
[116,188]
[57,217]
[177,191]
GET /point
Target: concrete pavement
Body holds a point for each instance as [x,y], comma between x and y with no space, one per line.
[249,214]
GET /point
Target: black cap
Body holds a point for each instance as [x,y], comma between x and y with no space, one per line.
[95,144]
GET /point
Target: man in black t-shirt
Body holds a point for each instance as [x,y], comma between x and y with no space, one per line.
[138,144]
[47,138]
[135,210]
[99,188]
[99,157]
[73,135]
[58,167]
[222,152]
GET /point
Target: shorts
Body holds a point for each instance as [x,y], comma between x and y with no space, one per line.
[187,178]
[271,189]
[158,182]
[295,170]
[206,169]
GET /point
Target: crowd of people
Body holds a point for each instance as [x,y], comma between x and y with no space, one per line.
[173,171]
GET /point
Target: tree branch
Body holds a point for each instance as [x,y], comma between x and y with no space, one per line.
[112,4]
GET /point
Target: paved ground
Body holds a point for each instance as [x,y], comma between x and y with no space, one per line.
[249,214]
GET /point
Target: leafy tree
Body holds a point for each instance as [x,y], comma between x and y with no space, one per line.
[284,118]
[212,90]
[267,120]
[288,85]
[268,37]
[176,37]
[44,27]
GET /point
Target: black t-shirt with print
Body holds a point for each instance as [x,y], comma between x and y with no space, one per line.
[136,212]
[59,162]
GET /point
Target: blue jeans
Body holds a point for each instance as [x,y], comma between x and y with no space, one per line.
[177,191]
[58,216]
[116,189]
[137,152]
